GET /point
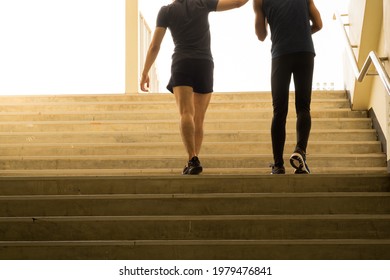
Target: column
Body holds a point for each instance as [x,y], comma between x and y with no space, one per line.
[132,71]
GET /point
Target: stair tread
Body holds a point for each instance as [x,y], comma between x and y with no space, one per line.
[231,242]
[176,171]
[169,100]
[197,218]
[210,131]
[194,196]
[159,157]
[174,143]
[95,112]
[176,120]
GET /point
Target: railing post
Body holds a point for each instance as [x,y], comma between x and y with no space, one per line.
[132,47]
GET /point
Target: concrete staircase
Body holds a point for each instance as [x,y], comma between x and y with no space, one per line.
[206,217]
[139,134]
[97,177]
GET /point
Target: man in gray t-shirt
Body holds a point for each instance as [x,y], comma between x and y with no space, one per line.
[192,66]
[189,25]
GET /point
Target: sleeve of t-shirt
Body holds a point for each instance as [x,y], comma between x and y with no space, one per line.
[212,5]
[162,18]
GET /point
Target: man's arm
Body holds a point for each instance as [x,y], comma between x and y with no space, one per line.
[151,56]
[224,5]
[260,20]
[315,17]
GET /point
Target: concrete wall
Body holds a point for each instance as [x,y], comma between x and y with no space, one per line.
[370,31]
[379,99]
[365,18]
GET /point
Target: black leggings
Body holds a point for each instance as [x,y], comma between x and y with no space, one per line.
[301,66]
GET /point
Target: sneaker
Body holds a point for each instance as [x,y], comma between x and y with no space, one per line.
[298,161]
[277,169]
[300,171]
[193,167]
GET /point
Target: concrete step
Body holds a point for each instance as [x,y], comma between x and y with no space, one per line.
[172,136]
[179,184]
[310,249]
[176,148]
[217,96]
[173,125]
[159,105]
[165,115]
[205,227]
[148,172]
[172,162]
[196,204]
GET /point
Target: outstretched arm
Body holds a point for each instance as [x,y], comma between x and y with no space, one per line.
[151,56]
[315,17]
[224,5]
[260,20]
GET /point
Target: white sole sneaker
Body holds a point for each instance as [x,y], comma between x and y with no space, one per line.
[298,162]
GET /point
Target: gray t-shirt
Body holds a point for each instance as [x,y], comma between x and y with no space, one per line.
[289,21]
[189,25]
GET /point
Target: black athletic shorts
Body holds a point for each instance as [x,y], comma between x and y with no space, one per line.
[195,73]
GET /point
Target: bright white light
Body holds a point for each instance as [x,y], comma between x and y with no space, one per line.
[242,63]
[62,46]
[78,46]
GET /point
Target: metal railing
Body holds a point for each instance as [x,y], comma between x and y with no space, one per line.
[372,58]
[145,38]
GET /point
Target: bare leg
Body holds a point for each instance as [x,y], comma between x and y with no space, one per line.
[192,108]
[201,102]
[185,102]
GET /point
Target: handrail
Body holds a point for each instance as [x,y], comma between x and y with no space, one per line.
[372,58]
[377,62]
[145,37]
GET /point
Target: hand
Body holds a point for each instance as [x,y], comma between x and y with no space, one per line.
[144,83]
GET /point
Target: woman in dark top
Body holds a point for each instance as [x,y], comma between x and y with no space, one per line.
[192,66]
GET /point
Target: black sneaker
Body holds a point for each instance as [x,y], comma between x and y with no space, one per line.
[193,167]
[277,169]
[300,171]
[298,161]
